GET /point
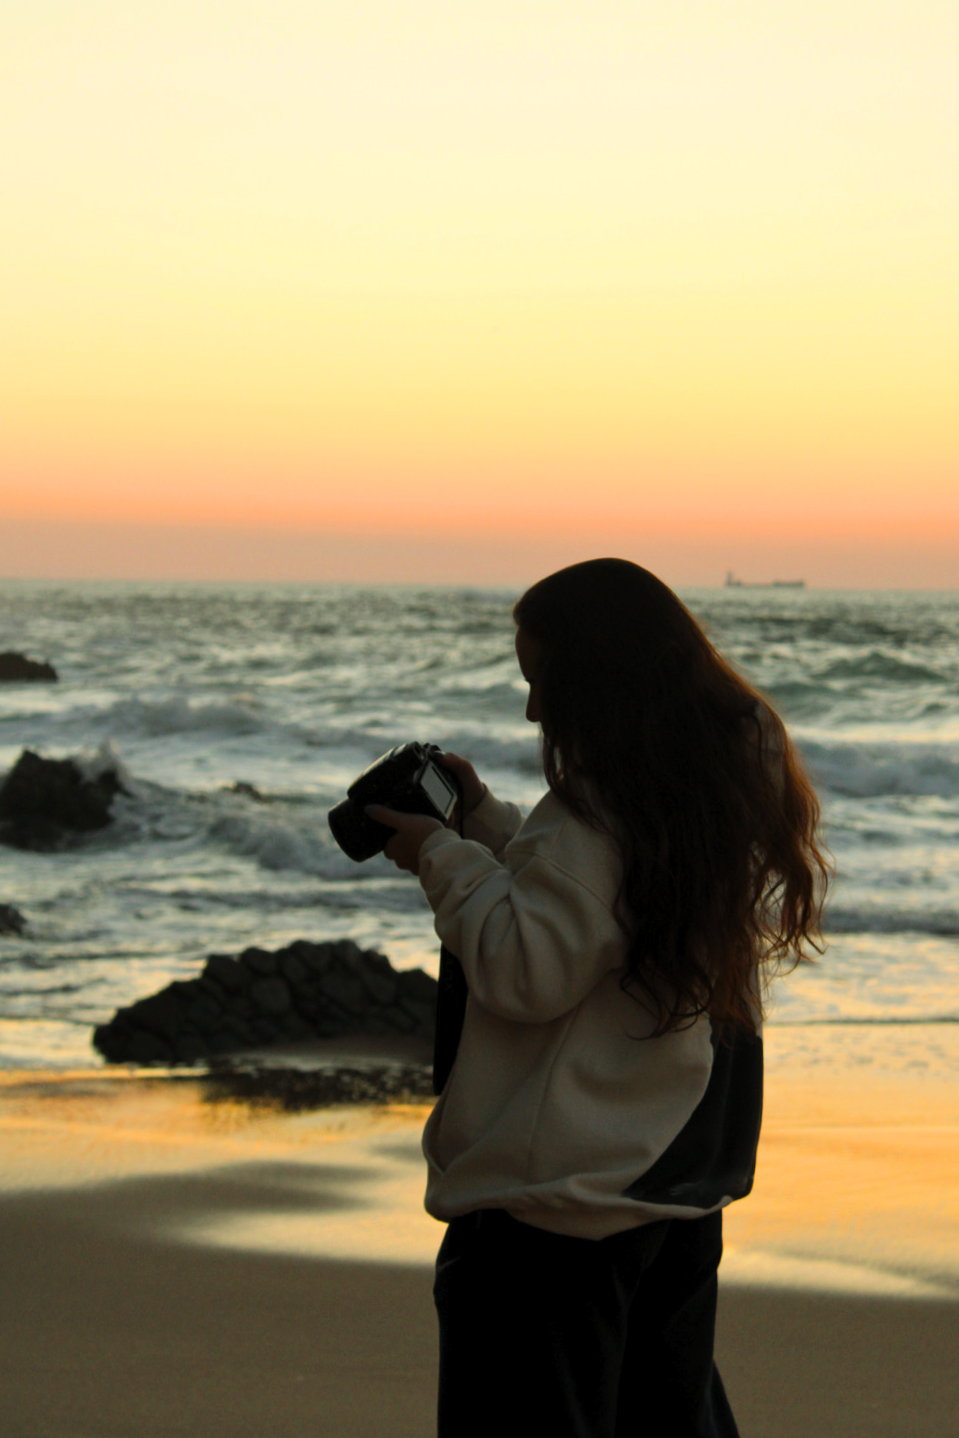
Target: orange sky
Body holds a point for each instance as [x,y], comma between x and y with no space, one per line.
[682,275]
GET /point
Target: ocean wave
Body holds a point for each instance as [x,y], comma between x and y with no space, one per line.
[800,698]
[486,751]
[309,848]
[865,1021]
[105,759]
[944,923]
[245,717]
[863,771]
[275,844]
[369,892]
[179,715]
[39,991]
[875,664]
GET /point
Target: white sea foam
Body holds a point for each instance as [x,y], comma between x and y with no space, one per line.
[105,759]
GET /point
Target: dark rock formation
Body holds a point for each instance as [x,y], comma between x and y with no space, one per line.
[298,1090]
[249,791]
[15,668]
[11,920]
[305,991]
[40,798]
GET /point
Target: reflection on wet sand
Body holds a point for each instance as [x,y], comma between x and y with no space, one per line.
[856,1189]
[858,1181]
[180,1261]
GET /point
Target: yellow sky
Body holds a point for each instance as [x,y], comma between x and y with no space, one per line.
[481,267]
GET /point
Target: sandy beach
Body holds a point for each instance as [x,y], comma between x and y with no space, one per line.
[178,1262]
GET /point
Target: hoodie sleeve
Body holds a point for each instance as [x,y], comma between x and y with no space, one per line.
[492,823]
[532,938]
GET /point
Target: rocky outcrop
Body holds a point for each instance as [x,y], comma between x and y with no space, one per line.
[15,668]
[298,1090]
[41,798]
[11,920]
[249,791]
[305,991]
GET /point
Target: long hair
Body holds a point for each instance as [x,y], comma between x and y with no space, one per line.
[650,735]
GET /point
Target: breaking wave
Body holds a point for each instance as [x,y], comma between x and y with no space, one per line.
[864,771]
[944,923]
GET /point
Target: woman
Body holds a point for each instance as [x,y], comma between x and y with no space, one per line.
[605,1100]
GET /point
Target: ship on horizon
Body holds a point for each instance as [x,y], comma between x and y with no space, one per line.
[732,582]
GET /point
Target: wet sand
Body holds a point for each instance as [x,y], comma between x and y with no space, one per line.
[110,1335]
[181,1264]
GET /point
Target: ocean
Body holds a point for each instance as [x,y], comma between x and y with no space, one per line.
[239,714]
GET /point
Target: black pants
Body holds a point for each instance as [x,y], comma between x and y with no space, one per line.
[552,1337]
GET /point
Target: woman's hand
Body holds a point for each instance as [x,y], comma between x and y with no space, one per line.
[411,831]
[474,790]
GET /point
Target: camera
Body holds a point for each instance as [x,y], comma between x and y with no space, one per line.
[406,779]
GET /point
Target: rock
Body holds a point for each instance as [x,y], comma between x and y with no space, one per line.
[298,1089]
[267,1030]
[163,1014]
[238,1033]
[381,1023]
[295,970]
[228,973]
[271,996]
[189,1048]
[260,962]
[41,798]
[301,992]
[417,986]
[15,668]
[122,1043]
[345,989]
[205,985]
[249,791]
[319,958]
[204,1013]
[297,1028]
[11,920]
[399,1021]
[221,1042]
[379,979]
[347,953]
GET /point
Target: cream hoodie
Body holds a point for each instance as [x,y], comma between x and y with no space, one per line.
[560,1108]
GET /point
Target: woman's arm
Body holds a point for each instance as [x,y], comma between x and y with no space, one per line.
[534,935]
[487,820]
[533,943]
[493,823]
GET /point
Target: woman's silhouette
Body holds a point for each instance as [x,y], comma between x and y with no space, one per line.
[605,1099]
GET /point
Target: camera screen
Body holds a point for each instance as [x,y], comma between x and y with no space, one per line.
[440,793]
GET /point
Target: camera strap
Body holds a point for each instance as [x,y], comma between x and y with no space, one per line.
[450,1012]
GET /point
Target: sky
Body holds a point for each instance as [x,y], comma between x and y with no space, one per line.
[419,288]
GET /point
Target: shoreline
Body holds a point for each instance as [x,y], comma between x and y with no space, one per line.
[907,1047]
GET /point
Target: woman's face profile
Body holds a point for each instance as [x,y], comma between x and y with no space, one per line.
[528,652]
